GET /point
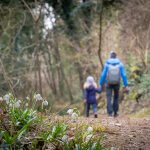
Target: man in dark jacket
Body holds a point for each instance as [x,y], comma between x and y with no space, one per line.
[113,70]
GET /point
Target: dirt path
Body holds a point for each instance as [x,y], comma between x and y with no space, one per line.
[125,133]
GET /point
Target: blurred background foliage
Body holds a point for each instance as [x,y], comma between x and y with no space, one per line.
[51,46]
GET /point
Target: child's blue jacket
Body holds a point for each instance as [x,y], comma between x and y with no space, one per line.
[90,94]
[113,61]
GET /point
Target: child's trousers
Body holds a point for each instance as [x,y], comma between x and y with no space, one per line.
[88,105]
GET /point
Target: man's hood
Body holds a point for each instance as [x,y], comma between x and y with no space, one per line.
[113,61]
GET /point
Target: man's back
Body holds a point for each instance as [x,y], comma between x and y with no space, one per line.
[111,74]
[114,62]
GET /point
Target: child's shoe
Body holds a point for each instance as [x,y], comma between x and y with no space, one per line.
[95,116]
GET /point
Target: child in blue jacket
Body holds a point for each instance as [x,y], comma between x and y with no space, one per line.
[90,90]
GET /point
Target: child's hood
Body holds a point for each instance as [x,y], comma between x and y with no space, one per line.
[87,85]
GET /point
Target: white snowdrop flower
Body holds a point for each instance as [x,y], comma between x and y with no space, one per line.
[17,105]
[74,116]
[1,99]
[6,98]
[7,101]
[10,105]
[27,98]
[38,97]
[65,138]
[89,129]
[70,111]
[26,104]
[19,101]
[45,103]
[17,123]
[112,148]
[88,138]
[9,94]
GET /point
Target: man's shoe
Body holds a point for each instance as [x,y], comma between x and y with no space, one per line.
[116,115]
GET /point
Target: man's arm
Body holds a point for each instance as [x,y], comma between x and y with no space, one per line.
[103,75]
[123,75]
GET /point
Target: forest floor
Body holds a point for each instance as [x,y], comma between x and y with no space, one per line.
[120,133]
[123,132]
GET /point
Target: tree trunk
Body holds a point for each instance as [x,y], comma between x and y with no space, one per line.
[80,72]
[63,74]
[61,68]
[39,74]
[50,73]
[100,34]
[37,60]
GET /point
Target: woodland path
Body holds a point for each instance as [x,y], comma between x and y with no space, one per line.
[124,133]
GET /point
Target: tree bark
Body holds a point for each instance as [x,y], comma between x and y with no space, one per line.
[80,72]
[50,73]
[63,74]
[100,35]
[37,60]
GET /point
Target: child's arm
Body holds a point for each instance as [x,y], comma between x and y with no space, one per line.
[98,90]
[85,95]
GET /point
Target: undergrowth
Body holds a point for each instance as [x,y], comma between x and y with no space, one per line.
[23,127]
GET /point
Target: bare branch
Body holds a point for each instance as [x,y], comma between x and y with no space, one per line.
[17,34]
[29,10]
[6,77]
